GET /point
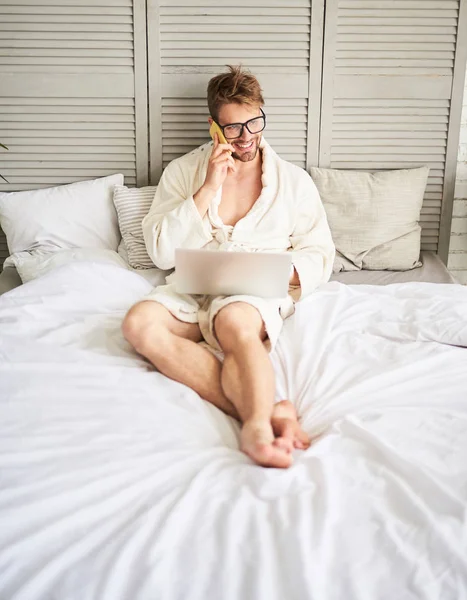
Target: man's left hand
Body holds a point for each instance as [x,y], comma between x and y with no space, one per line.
[294,279]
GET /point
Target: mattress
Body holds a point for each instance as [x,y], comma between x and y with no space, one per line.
[117,483]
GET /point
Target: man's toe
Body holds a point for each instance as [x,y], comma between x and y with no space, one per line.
[283,443]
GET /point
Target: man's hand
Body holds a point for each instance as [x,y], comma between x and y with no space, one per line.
[294,278]
[219,164]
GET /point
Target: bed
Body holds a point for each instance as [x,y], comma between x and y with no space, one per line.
[118,483]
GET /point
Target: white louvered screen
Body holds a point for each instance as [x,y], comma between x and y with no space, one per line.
[60,140]
[264,36]
[184,127]
[192,40]
[74,88]
[387,79]
[72,92]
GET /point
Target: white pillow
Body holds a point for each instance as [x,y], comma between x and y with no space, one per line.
[132,206]
[36,264]
[77,215]
[373,217]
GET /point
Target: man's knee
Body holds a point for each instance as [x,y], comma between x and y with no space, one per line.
[143,320]
[238,322]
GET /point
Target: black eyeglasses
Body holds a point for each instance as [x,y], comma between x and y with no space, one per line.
[235,130]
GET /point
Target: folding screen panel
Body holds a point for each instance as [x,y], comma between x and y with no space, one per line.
[189,41]
[73,92]
[353,84]
[392,77]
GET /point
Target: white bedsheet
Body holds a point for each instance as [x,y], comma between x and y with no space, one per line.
[119,484]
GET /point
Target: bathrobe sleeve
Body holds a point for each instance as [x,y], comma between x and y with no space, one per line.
[312,246]
[173,220]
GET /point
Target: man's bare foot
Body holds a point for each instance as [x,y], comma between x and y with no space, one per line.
[257,440]
[286,427]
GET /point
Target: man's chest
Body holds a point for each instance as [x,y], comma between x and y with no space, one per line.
[237,199]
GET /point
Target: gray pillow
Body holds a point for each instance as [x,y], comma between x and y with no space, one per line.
[132,206]
[374,217]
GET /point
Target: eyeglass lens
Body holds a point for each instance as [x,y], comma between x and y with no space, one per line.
[236,130]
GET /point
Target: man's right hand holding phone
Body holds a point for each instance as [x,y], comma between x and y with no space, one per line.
[220,162]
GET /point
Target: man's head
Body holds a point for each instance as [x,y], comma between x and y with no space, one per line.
[235,98]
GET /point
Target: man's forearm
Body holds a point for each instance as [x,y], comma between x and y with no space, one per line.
[203,199]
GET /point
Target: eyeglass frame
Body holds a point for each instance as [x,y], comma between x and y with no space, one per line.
[245,124]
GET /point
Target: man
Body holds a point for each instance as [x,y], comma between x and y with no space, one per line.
[237,196]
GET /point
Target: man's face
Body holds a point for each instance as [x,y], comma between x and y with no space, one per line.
[246,146]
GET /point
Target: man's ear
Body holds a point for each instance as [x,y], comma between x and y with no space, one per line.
[210,120]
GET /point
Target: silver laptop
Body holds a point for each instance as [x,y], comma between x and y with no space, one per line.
[223,273]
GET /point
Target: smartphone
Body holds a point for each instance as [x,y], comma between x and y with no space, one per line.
[216,129]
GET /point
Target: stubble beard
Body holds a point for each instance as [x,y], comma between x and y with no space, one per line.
[248,156]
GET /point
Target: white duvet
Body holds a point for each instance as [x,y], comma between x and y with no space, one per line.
[119,484]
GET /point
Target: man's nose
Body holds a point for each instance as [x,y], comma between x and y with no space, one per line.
[246,135]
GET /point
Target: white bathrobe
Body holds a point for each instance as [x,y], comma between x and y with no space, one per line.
[287,216]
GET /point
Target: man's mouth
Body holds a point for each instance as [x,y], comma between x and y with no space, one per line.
[246,146]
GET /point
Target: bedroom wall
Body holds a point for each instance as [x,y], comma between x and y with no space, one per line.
[457,262]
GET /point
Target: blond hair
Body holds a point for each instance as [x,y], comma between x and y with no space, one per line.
[237,86]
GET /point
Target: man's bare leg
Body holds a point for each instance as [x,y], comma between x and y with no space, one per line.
[240,331]
[172,346]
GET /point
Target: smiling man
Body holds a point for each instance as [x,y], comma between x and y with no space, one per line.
[242,196]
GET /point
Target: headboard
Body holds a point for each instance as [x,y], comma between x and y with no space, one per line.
[351,84]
